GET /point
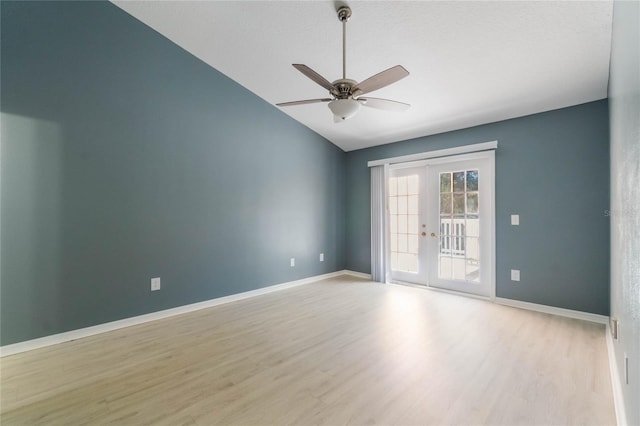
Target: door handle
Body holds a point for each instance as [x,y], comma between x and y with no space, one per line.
[433,234]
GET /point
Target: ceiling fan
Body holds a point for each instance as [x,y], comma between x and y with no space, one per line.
[346,95]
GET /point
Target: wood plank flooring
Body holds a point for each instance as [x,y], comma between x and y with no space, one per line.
[340,351]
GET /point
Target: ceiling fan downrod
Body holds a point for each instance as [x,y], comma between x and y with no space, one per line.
[344,13]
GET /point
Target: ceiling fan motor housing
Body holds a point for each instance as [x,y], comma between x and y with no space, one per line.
[344,88]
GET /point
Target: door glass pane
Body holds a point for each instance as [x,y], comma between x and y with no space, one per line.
[472,203]
[412,184]
[472,180]
[458,268]
[402,243]
[402,185]
[444,267]
[412,244]
[412,204]
[459,226]
[445,182]
[402,224]
[413,223]
[393,205]
[393,186]
[445,203]
[403,214]
[458,182]
[458,204]
[402,205]
[472,226]
[473,259]
[412,264]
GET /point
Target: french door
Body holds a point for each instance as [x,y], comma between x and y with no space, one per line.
[407,224]
[441,223]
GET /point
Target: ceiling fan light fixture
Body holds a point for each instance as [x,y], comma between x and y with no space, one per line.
[344,108]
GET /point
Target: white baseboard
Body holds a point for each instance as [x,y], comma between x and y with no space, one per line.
[586,316]
[357,274]
[54,339]
[616,384]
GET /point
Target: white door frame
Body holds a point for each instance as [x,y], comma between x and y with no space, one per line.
[488,220]
[478,151]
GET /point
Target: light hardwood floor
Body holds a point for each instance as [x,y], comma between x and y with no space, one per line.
[341,351]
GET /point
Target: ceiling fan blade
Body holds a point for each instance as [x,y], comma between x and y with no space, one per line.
[381,80]
[315,77]
[385,104]
[306,101]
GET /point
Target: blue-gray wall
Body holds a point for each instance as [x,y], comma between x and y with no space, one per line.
[553,170]
[125,158]
[624,103]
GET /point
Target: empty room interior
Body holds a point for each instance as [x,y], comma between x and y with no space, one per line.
[320,212]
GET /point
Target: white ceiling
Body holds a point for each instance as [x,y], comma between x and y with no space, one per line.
[470,62]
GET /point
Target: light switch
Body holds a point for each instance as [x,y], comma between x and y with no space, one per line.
[515,275]
[515,219]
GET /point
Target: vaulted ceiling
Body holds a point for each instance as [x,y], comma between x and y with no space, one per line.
[470,63]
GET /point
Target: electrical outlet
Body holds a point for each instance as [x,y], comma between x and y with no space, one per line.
[515,275]
[321,257]
[515,219]
[293,262]
[155,284]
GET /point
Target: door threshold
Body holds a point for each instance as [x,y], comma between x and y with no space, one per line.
[441,290]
